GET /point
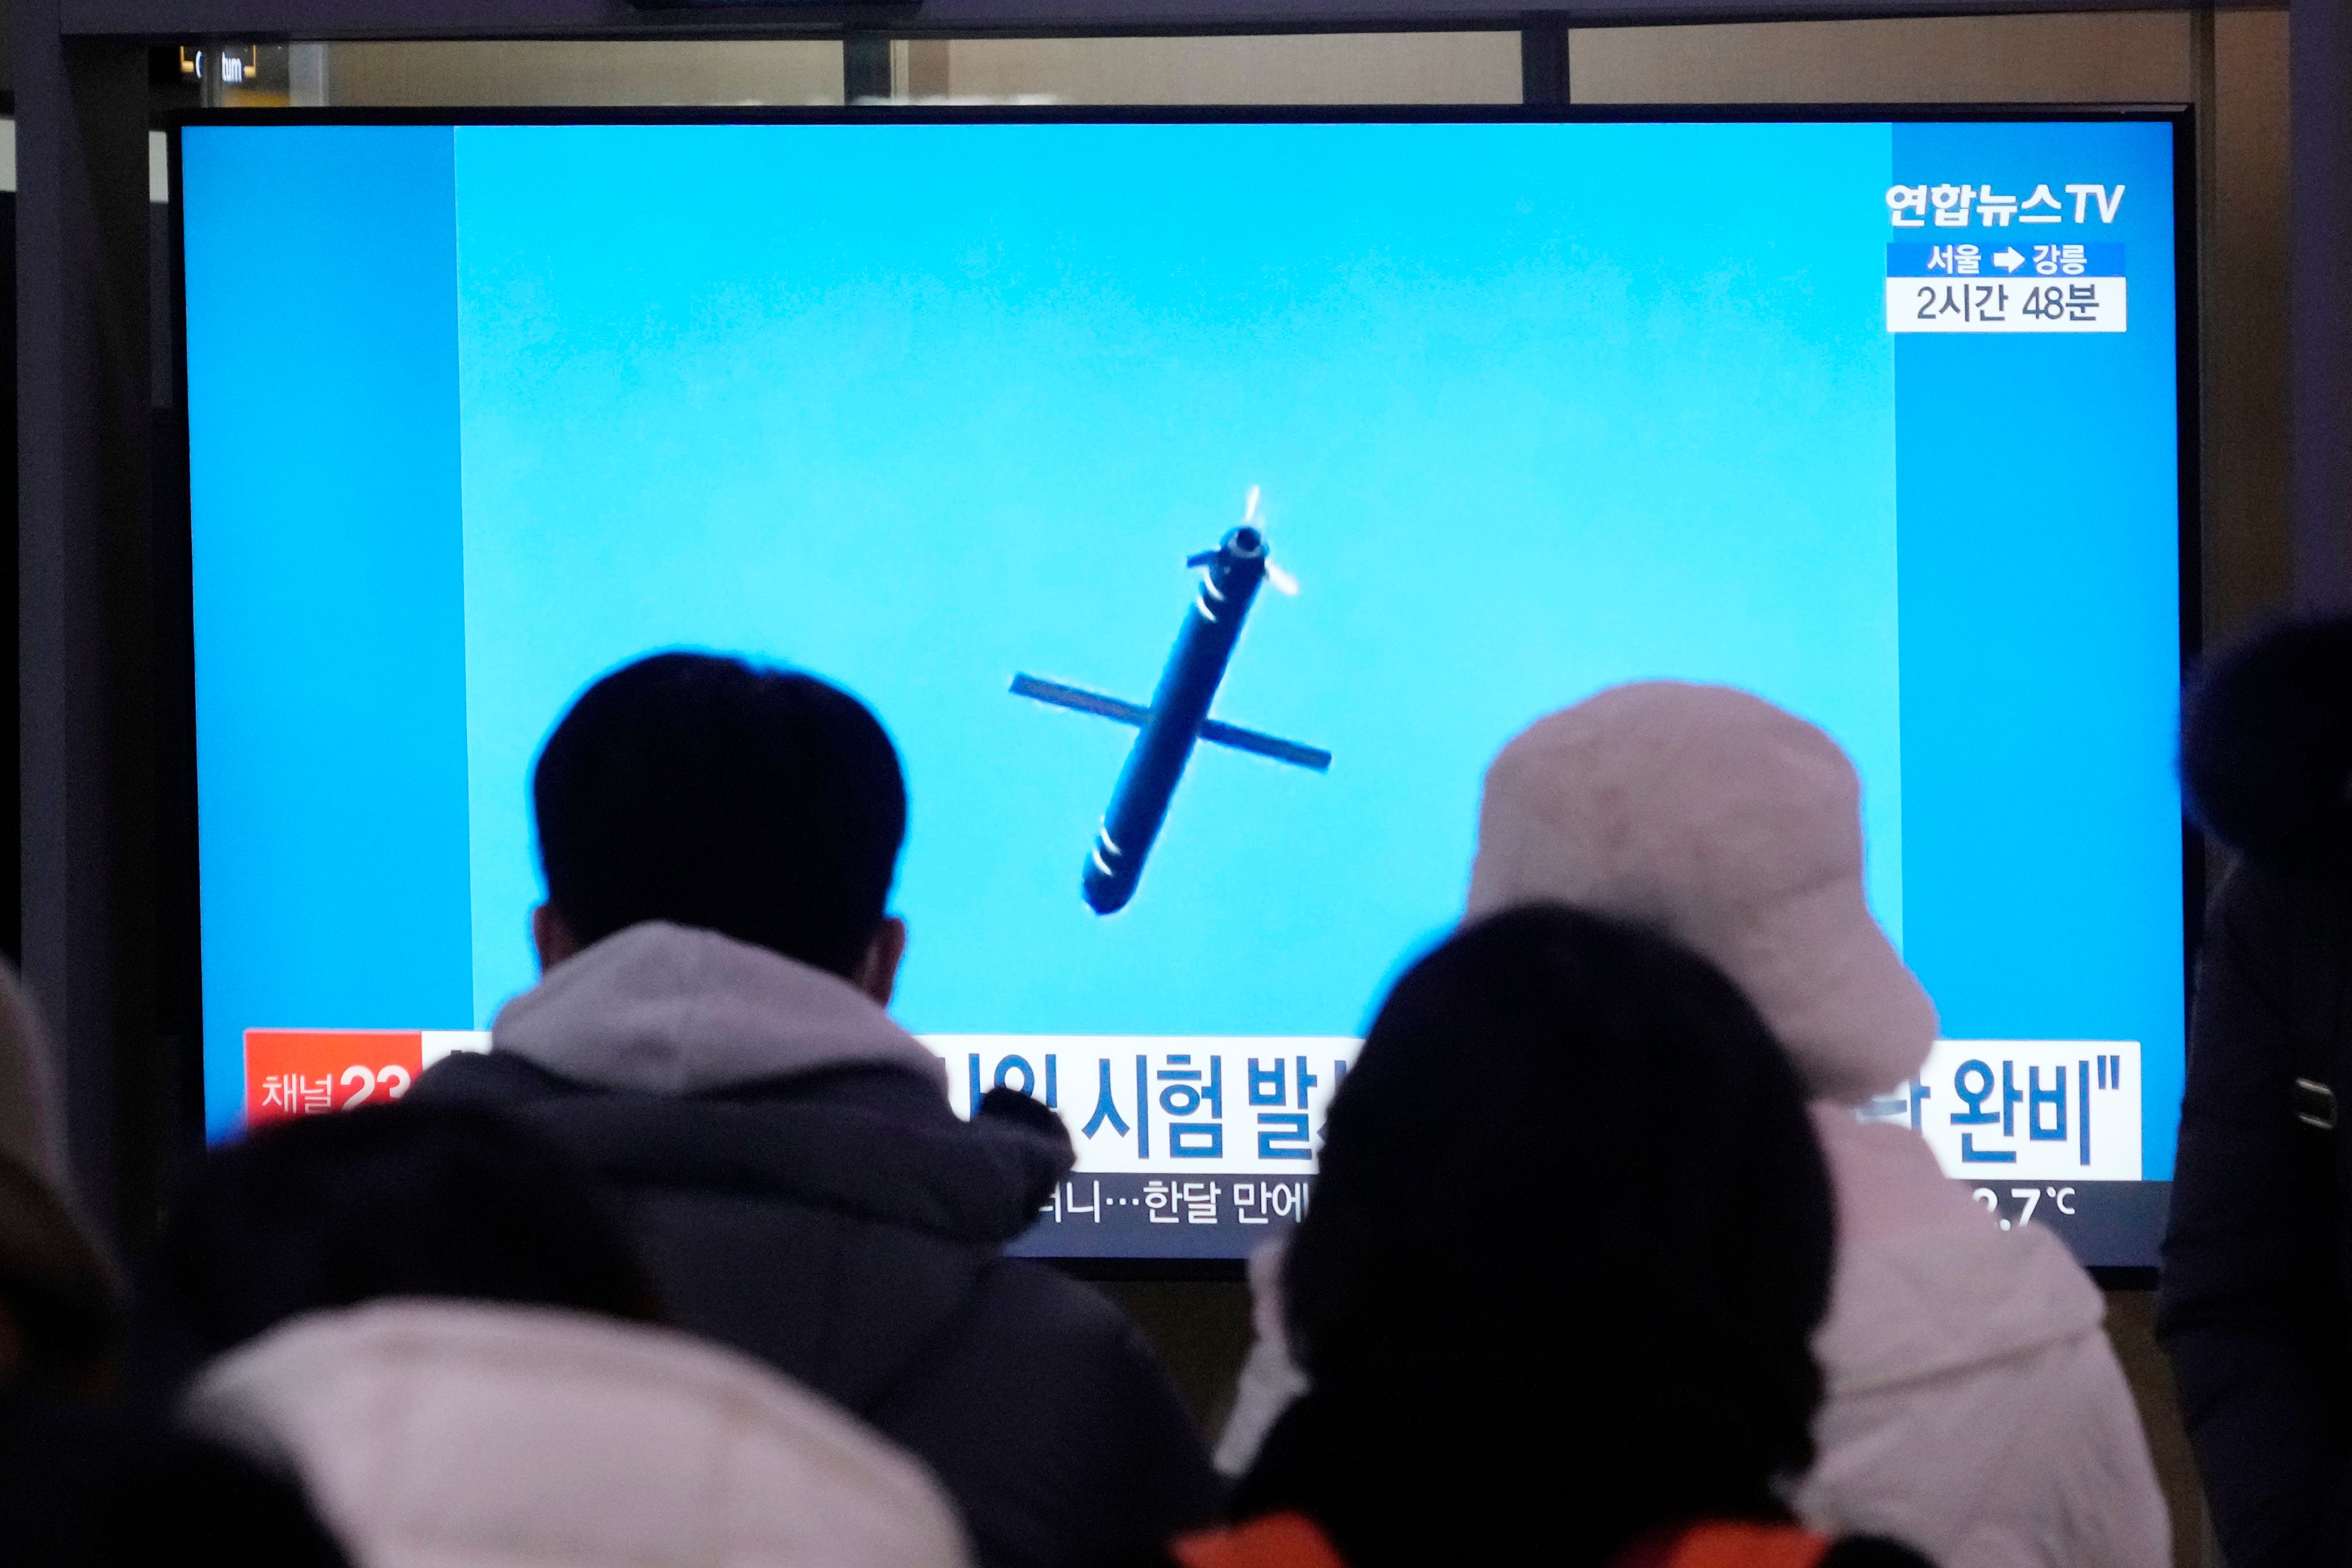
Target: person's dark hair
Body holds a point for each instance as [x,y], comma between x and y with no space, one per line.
[1569,1242]
[2266,745]
[760,803]
[398,1200]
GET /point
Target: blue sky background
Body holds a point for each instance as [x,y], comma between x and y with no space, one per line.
[1535,408]
[2040,593]
[329,577]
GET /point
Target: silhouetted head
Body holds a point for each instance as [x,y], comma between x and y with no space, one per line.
[2266,746]
[760,803]
[1569,1243]
[397,1200]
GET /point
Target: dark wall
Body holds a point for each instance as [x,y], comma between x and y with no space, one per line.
[12,913]
[176,1061]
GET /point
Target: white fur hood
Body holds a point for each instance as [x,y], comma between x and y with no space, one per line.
[669,1009]
[1920,1307]
[456,1435]
[1974,1411]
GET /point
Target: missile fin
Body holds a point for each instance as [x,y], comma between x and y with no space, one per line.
[1082,702]
[1280,750]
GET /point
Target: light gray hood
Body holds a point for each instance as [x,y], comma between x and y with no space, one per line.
[669,1009]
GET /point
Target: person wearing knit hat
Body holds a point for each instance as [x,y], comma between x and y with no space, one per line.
[1974,1411]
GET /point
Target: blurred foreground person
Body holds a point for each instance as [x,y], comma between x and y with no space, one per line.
[710,1039]
[1536,1333]
[79,1484]
[2258,1259]
[57,1315]
[427,1317]
[1974,1408]
[383,1201]
[432,1431]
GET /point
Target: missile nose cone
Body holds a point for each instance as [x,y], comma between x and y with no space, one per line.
[1110,876]
[1106,895]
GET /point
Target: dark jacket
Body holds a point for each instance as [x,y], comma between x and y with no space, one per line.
[80,1488]
[802,1190]
[2258,1256]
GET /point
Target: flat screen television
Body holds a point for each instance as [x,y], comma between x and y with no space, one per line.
[1879,415]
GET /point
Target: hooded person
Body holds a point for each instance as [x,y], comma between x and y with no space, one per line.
[430,1320]
[1629,1385]
[431,1432]
[2258,1252]
[711,1040]
[81,1485]
[1974,1410]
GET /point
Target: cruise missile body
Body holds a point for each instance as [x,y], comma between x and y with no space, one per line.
[1177,719]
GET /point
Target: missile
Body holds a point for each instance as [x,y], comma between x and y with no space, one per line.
[1177,717]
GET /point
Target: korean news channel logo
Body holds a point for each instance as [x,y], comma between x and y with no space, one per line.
[2004,271]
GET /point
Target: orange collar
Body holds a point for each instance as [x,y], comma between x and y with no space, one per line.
[1294,1541]
[1734,1544]
[1271,1540]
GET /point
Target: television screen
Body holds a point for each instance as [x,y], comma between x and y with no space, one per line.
[1457,419]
